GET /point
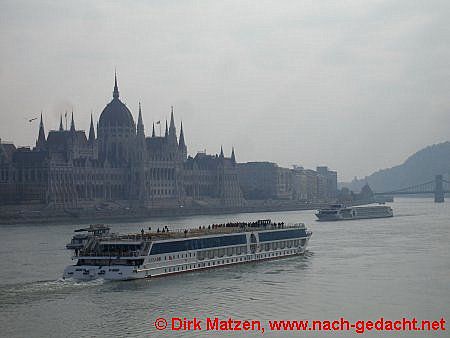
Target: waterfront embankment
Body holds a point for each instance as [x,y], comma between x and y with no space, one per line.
[36,213]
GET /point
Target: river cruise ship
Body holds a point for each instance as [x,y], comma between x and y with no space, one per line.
[100,253]
[339,212]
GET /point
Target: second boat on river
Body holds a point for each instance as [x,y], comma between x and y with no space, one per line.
[339,212]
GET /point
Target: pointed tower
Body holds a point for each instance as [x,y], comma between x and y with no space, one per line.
[221,152]
[139,189]
[233,157]
[166,135]
[153,130]
[72,124]
[40,143]
[172,130]
[91,131]
[140,124]
[116,88]
[182,145]
[61,128]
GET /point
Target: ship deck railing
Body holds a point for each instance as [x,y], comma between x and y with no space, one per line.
[194,232]
[110,255]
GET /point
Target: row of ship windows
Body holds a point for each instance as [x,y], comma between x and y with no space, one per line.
[227,261]
[195,244]
[190,254]
[238,250]
[282,244]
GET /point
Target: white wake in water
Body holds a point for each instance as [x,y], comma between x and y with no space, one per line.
[24,292]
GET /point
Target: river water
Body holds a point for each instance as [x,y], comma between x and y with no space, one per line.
[361,270]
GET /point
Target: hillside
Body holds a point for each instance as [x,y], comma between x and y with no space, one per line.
[418,168]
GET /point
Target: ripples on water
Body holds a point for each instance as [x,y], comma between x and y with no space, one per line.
[358,269]
[21,293]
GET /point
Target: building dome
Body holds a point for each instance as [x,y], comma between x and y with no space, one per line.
[116,114]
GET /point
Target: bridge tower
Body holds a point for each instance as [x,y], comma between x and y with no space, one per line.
[438,189]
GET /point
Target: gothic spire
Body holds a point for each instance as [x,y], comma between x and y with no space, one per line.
[41,138]
[172,131]
[221,152]
[61,128]
[167,131]
[91,131]
[116,88]
[181,144]
[140,125]
[153,130]
[72,124]
[233,157]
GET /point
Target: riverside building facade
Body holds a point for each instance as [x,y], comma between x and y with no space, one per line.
[268,181]
[117,164]
[68,168]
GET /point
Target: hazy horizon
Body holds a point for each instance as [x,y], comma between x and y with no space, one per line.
[357,86]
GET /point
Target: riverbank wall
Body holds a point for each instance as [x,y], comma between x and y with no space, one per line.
[36,214]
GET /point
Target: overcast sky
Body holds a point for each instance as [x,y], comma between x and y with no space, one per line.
[355,85]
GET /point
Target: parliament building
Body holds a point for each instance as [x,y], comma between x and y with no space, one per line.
[115,162]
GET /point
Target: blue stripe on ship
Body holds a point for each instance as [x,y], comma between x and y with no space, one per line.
[280,235]
[197,244]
